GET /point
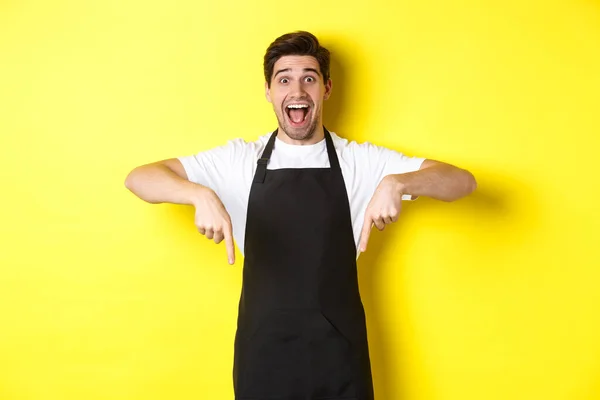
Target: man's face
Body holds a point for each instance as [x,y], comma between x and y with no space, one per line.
[297,93]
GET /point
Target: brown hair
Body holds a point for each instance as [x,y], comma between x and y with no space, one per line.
[300,43]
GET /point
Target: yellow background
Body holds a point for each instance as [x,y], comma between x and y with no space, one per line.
[495,296]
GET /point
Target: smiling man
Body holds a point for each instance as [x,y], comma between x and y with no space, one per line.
[300,203]
[297,91]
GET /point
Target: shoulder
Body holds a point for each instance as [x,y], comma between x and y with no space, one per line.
[242,144]
[350,148]
[377,159]
[234,152]
[237,149]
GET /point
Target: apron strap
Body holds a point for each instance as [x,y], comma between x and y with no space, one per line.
[261,164]
[334,163]
[261,167]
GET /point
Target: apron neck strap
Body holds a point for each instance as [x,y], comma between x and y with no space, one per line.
[333,160]
[261,168]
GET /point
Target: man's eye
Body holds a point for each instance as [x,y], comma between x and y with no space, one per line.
[309,79]
[283,80]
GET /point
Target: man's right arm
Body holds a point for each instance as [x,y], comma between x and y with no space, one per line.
[167,182]
[164,182]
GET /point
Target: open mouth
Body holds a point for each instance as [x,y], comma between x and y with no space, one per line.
[297,113]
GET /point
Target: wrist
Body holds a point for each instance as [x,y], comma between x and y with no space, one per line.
[196,194]
[399,184]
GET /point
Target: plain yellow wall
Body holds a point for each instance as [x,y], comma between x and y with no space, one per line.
[495,296]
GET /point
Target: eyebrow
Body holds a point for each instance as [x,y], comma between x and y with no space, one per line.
[289,69]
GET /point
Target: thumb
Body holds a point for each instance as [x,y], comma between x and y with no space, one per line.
[366,232]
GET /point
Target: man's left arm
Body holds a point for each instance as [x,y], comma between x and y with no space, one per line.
[434,179]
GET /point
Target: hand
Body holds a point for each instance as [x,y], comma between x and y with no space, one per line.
[213,220]
[384,208]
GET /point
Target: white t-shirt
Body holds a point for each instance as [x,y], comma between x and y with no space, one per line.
[229,171]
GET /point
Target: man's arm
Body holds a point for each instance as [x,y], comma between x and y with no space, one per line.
[435,179]
[163,182]
[167,182]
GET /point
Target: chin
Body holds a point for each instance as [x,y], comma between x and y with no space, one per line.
[304,133]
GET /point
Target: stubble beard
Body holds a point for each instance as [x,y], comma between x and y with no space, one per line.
[298,133]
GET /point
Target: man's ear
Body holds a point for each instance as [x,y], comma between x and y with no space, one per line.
[328,87]
[268,92]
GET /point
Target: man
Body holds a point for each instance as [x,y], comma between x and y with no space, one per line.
[299,203]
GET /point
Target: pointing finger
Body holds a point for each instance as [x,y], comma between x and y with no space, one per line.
[229,243]
[364,236]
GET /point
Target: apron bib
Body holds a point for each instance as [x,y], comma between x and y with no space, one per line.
[301,332]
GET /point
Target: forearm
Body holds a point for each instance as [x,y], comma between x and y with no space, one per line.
[157,183]
[440,181]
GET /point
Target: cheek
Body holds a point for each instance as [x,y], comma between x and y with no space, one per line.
[277,102]
[317,94]
[276,99]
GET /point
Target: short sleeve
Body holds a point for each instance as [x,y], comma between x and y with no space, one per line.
[384,161]
[214,168]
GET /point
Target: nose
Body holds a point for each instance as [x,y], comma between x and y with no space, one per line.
[297,89]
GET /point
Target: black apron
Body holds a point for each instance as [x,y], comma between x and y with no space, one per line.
[301,332]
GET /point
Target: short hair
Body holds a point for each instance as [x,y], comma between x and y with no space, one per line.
[299,43]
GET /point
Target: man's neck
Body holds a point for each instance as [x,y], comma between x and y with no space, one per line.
[318,135]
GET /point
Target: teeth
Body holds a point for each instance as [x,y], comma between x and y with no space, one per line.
[297,106]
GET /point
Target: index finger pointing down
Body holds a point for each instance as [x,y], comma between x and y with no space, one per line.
[229,244]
